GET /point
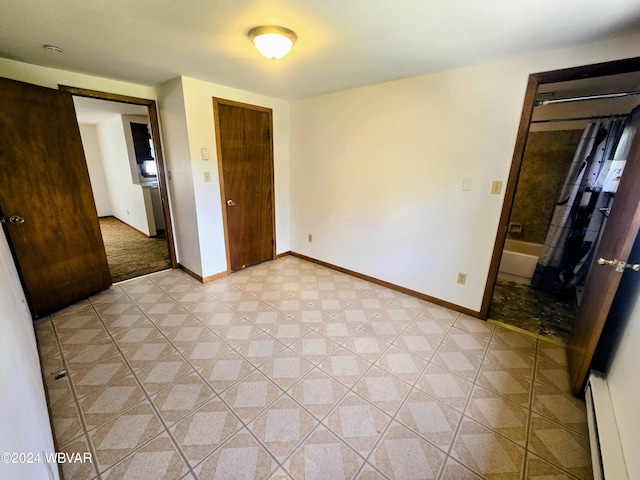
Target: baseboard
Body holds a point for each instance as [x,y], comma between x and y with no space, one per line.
[398,288]
[607,455]
[209,278]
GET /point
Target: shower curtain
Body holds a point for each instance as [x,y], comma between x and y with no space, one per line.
[583,204]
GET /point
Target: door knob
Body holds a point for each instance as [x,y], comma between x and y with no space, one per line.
[604,261]
[231,203]
[16,219]
[620,266]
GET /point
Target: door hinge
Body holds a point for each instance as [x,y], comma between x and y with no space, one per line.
[269,132]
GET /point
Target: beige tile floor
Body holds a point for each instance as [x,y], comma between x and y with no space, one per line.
[289,370]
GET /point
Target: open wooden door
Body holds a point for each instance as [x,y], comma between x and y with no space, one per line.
[246,171]
[49,215]
[615,246]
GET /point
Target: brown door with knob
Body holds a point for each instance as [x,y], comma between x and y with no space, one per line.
[246,178]
[49,215]
[612,258]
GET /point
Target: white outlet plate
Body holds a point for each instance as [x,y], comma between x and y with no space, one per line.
[462,278]
[466,184]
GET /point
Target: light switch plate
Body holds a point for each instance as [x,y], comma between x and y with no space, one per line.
[204,152]
[496,187]
[466,184]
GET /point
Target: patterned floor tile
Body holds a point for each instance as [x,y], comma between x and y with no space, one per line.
[251,395]
[433,420]
[323,456]
[367,346]
[182,398]
[71,470]
[202,431]
[358,423]
[403,455]
[89,378]
[240,458]
[401,364]
[205,352]
[348,353]
[457,361]
[487,453]
[473,343]
[499,414]
[286,369]
[538,469]
[318,393]
[445,386]
[163,373]
[561,407]
[158,459]
[226,371]
[511,360]
[506,383]
[149,353]
[104,404]
[383,390]
[314,347]
[345,366]
[560,446]
[121,435]
[260,349]
[282,427]
[453,470]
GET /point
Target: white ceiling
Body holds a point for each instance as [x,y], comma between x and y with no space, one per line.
[341,43]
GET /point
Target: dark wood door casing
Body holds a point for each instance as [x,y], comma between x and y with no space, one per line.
[245,161]
[583,341]
[44,179]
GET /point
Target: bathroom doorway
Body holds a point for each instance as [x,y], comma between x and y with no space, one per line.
[563,110]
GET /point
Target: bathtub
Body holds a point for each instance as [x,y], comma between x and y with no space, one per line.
[519,261]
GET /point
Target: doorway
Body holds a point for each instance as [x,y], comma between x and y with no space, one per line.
[579,99]
[121,141]
[245,162]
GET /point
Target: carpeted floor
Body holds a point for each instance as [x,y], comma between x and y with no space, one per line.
[130,253]
[533,310]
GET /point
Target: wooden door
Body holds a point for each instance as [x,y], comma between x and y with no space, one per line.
[246,171]
[44,180]
[617,241]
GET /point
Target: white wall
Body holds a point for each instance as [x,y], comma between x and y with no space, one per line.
[180,179]
[23,413]
[91,146]
[127,196]
[377,172]
[187,167]
[624,388]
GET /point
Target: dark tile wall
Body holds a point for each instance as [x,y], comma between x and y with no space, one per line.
[546,160]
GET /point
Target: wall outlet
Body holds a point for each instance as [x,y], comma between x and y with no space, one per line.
[207,176]
[310,238]
[466,184]
[462,278]
[496,187]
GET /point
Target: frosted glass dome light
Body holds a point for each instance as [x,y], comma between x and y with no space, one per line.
[271,41]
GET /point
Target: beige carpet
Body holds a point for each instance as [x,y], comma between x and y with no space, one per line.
[130,253]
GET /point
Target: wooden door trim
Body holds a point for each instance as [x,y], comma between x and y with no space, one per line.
[223,200]
[535,80]
[155,135]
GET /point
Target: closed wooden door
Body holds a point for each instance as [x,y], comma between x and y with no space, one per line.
[246,169]
[615,247]
[47,204]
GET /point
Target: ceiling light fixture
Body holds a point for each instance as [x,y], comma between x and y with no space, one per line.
[271,41]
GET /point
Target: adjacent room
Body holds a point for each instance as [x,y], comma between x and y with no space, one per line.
[222,262]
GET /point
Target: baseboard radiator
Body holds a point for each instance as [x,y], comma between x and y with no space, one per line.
[607,456]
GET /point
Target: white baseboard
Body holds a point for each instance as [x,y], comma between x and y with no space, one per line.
[606,450]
